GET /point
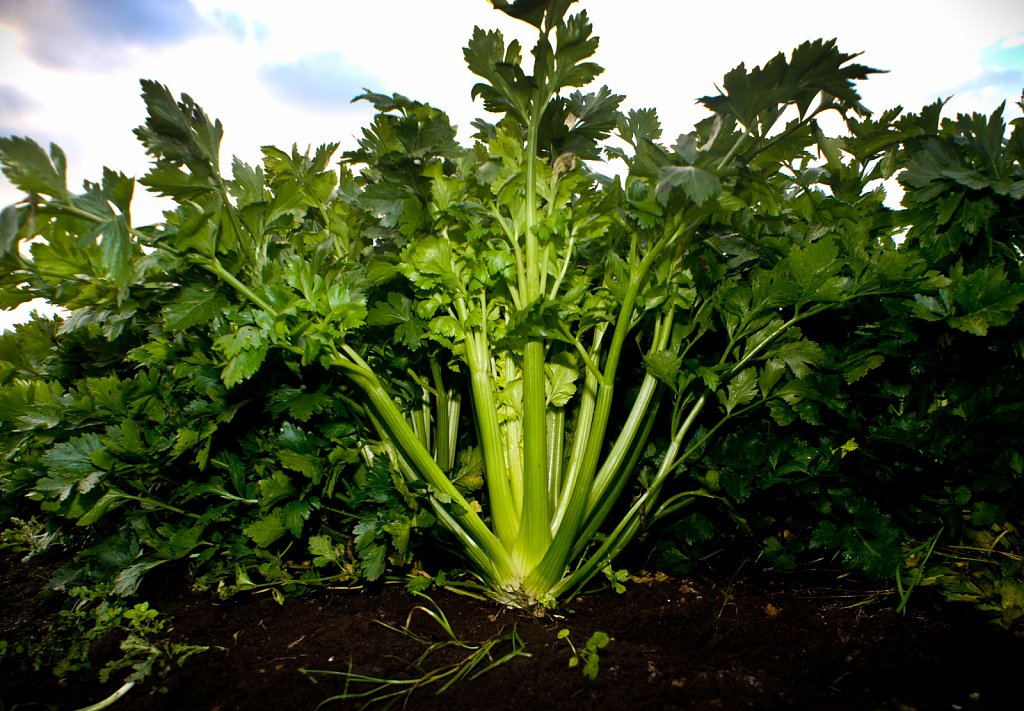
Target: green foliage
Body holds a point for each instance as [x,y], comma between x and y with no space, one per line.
[163,463]
[142,650]
[916,382]
[389,515]
[95,613]
[499,350]
[616,578]
[30,537]
[589,656]
[986,570]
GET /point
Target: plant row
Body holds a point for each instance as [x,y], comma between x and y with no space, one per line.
[511,360]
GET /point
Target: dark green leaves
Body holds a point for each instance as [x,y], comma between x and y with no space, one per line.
[10,227]
[389,514]
[813,270]
[192,306]
[406,140]
[698,185]
[799,356]
[116,250]
[578,125]
[964,184]
[29,168]
[507,89]
[815,69]
[403,132]
[869,539]
[397,311]
[575,43]
[99,215]
[740,391]
[974,302]
[244,351]
[179,134]
[534,11]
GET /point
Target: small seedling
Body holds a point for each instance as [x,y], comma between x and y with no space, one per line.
[589,655]
[616,578]
[28,536]
[146,649]
[916,564]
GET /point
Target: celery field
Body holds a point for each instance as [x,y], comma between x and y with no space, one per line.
[570,357]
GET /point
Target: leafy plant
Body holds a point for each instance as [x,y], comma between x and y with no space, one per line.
[30,537]
[589,655]
[616,578]
[93,614]
[917,563]
[986,571]
[917,384]
[580,317]
[151,463]
[143,650]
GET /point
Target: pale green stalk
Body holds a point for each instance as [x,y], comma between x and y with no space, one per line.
[393,427]
[534,533]
[581,434]
[644,402]
[633,521]
[444,452]
[492,444]
[571,517]
[555,446]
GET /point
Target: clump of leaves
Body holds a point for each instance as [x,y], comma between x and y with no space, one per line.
[163,462]
[28,536]
[497,339]
[616,578]
[145,649]
[587,656]
[916,382]
[986,571]
[93,614]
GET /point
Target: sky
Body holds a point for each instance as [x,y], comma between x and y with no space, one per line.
[278,73]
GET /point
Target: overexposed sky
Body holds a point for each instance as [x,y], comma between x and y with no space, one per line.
[284,72]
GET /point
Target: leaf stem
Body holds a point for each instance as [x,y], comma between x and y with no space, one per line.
[214,266]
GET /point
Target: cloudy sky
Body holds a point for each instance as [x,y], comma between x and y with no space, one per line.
[284,72]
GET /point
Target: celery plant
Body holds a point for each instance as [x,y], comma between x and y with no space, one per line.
[584,318]
[535,276]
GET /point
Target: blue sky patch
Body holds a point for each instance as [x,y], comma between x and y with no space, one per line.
[239,27]
[322,81]
[92,33]
[1003,66]
[138,22]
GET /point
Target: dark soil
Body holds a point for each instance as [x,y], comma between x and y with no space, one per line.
[761,642]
